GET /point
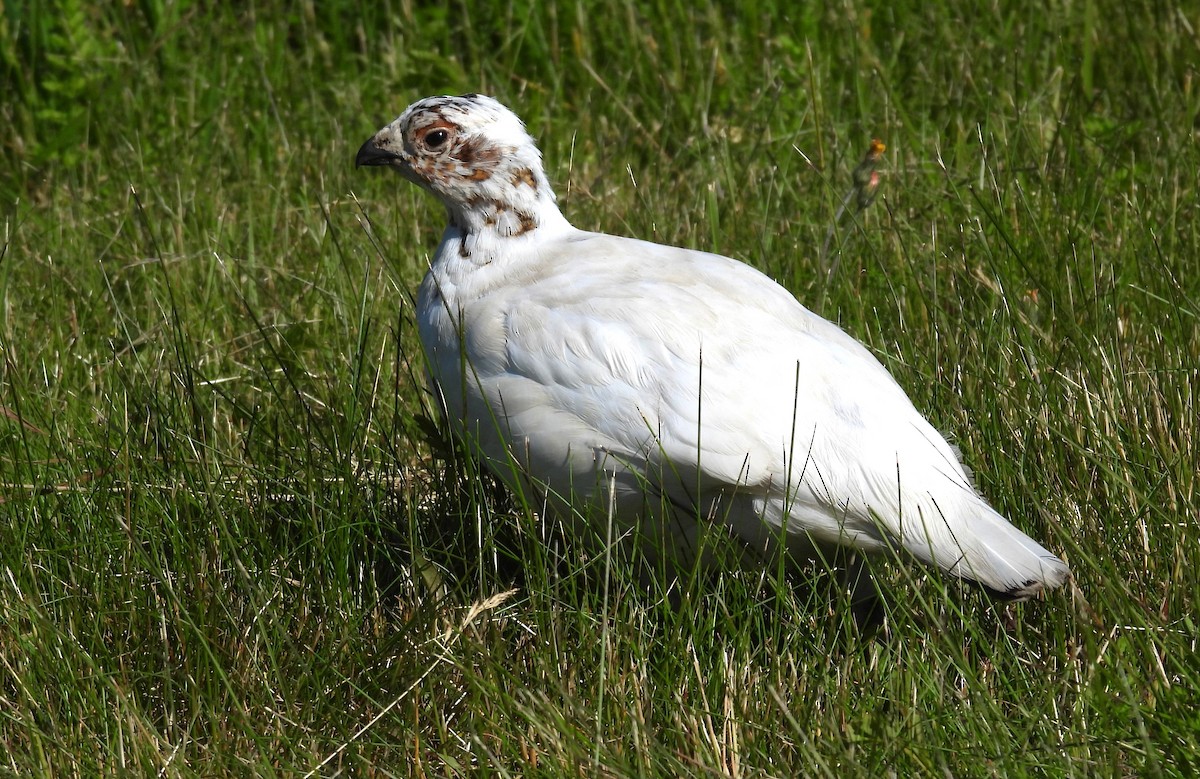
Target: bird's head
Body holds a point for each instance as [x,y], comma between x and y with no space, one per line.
[475,155]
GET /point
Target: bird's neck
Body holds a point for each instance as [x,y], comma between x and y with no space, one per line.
[500,215]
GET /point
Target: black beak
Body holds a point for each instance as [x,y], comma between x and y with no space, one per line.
[371,154]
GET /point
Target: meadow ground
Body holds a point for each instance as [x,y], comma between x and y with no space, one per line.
[235,542]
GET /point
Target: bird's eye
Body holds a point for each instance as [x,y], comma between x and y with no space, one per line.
[436,139]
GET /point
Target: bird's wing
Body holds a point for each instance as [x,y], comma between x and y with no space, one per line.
[695,359]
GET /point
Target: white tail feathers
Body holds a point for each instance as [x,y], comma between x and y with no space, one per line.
[980,546]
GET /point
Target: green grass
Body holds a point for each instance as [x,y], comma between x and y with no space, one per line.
[234,543]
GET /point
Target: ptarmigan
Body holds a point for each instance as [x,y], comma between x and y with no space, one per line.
[669,390]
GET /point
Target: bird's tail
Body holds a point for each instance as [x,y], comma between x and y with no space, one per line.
[978,545]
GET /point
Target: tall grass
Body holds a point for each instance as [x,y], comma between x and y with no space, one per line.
[237,542]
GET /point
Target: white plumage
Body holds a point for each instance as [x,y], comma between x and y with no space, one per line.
[688,386]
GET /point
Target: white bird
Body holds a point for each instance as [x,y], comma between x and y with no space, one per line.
[667,389]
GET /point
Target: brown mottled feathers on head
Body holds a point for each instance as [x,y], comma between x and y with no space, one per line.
[476,156]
